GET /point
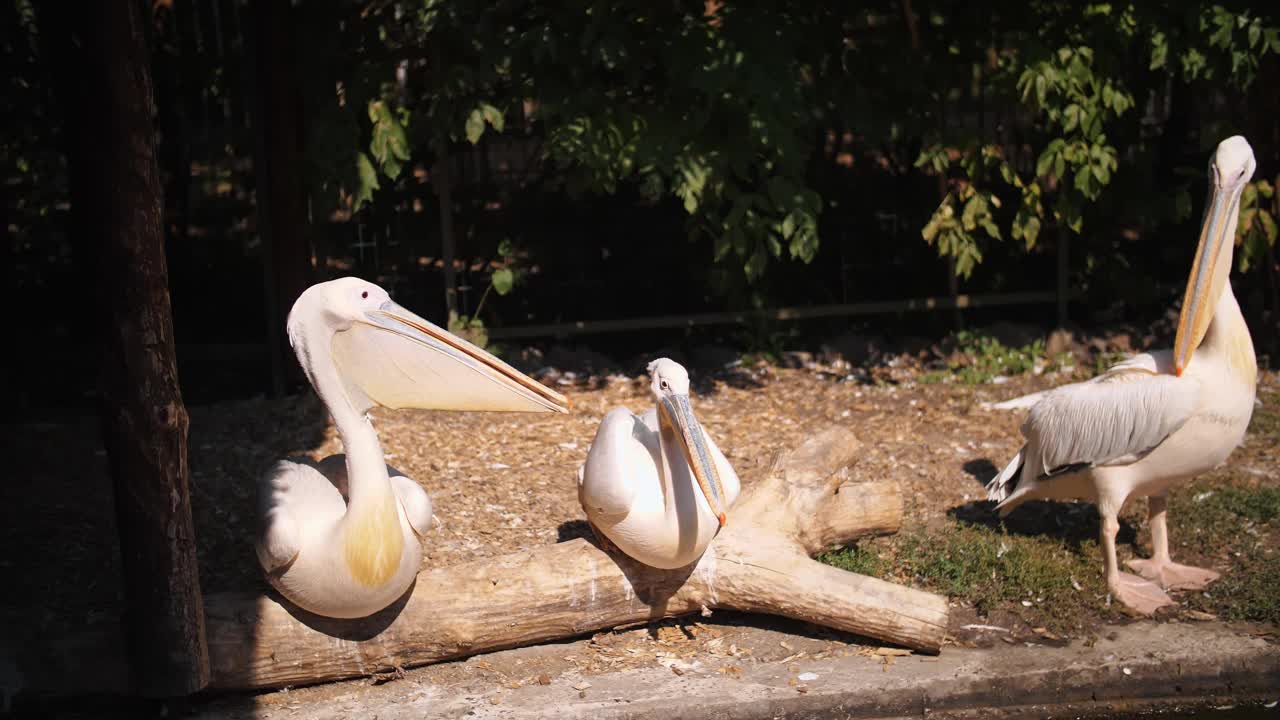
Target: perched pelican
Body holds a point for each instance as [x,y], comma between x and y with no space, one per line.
[1157,418]
[638,485]
[343,537]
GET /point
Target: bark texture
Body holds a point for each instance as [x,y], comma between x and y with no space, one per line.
[117,219]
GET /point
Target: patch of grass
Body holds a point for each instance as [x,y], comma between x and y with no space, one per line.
[988,358]
[857,559]
[1261,504]
[986,568]
[1266,419]
[1237,522]
[1208,516]
[1250,591]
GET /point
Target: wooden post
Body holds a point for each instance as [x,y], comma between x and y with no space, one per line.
[117,220]
[279,203]
[443,181]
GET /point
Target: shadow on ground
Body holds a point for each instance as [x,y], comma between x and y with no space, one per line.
[1071,523]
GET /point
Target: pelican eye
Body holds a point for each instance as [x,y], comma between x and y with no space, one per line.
[664,385]
[364,295]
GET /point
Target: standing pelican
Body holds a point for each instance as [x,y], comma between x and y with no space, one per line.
[1158,418]
[343,537]
[638,485]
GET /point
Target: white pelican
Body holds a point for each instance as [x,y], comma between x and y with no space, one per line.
[343,537]
[1157,418]
[638,484]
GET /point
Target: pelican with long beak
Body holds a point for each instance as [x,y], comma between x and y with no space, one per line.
[343,537]
[1156,419]
[655,485]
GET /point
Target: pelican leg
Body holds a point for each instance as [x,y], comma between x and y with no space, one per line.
[1160,568]
[602,540]
[1139,595]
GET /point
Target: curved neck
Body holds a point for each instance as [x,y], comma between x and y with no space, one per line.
[1228,337]
[368,484]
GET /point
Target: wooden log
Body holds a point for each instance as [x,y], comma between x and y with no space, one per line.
[117,221]
[760,562]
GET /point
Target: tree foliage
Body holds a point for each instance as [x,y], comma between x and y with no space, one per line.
[1082,72]
[722,106]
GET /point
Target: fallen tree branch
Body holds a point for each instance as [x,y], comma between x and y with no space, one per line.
[760,562]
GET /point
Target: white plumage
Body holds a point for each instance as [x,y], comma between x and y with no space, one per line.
[655,485]
[343,537]
[1153,420]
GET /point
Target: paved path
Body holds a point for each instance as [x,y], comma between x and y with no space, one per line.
[1133,666]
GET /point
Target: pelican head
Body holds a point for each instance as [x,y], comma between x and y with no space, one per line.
[387,356]
[1230,169]
[670,385]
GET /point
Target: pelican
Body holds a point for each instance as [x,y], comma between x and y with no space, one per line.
[1156,419]
[343,537]
[656,485]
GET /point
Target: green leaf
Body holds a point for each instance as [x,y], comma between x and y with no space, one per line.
[388,145]
[721,245]
[968,218]
[1031,231]
[1045,163]
[503,280]
[930,230]
[475,126]
[1268,227]
[1084,181]
[788,227]
[1159,50]
[492,115]
[1245,223]
[755,264]
[506,248]
[1070,117]
[366,182]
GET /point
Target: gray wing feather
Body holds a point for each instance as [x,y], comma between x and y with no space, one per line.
[1115,419]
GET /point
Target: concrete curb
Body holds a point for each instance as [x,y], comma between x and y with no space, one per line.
[1137,665]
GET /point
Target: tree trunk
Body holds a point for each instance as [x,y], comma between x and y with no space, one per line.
[760,562]
[281,210]
[117,221]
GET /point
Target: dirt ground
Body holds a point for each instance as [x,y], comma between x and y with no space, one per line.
[502,482]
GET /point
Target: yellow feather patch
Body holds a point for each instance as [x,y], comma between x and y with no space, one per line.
[1240,356]
[373,544]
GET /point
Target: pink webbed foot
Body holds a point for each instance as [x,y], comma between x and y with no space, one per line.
[1171,575]
[1139,595]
